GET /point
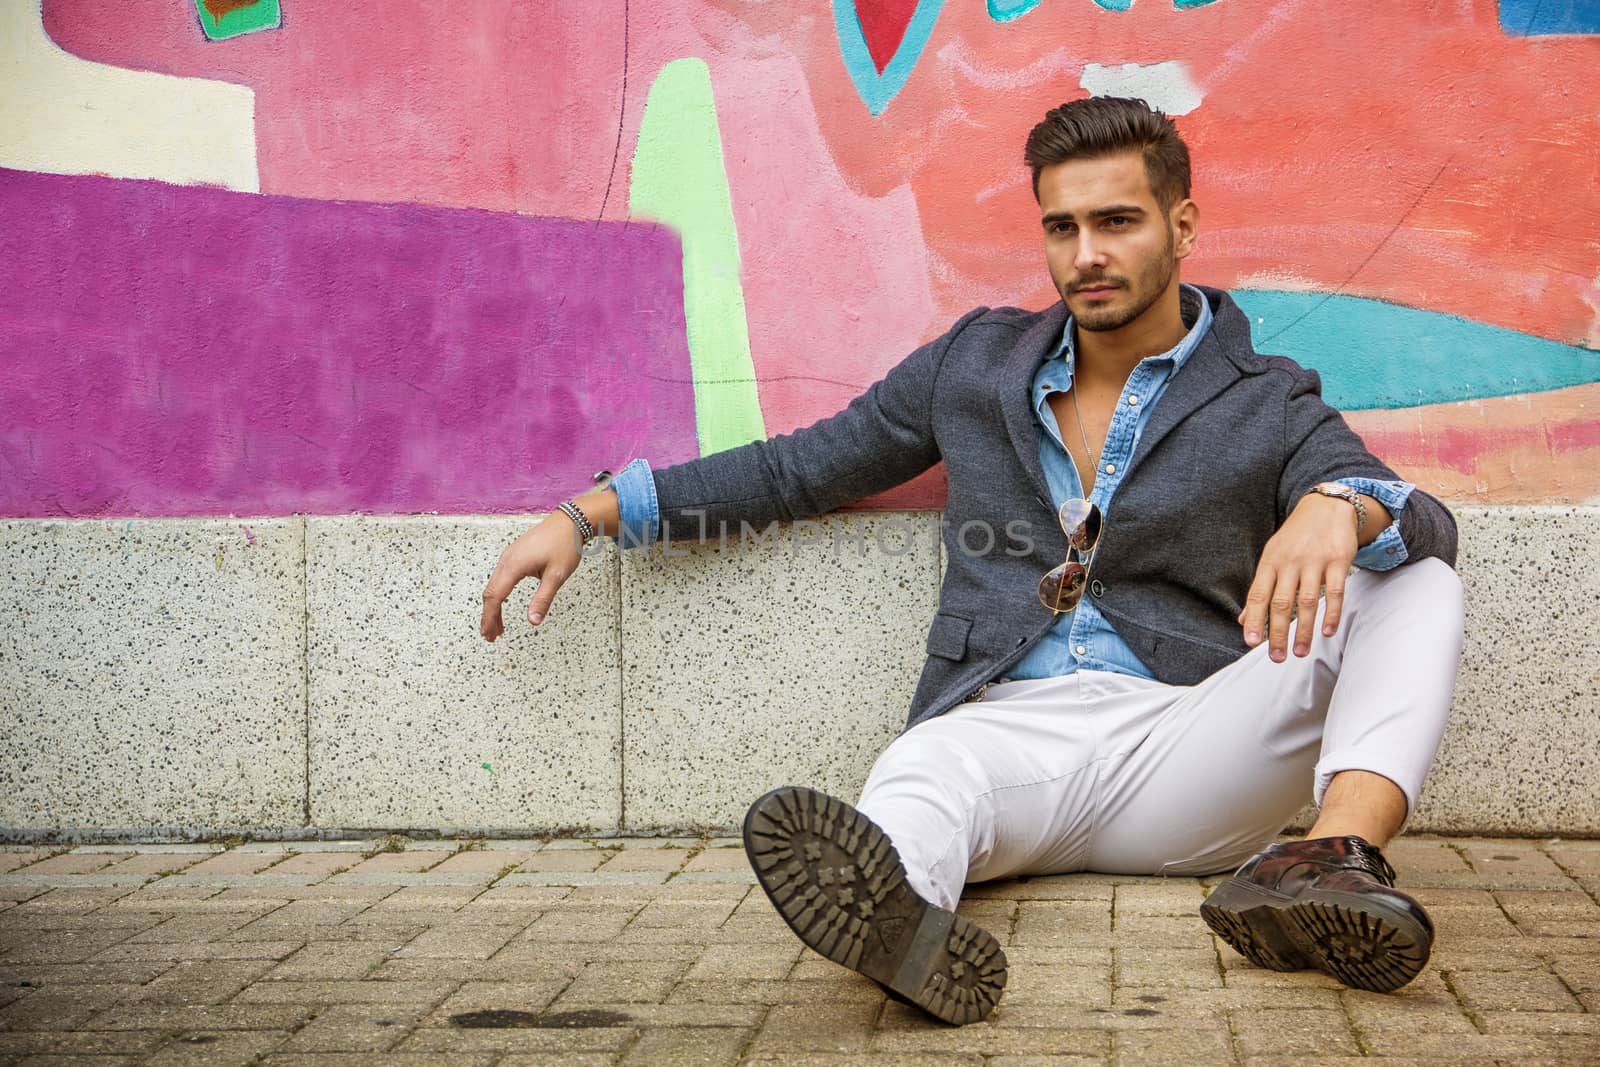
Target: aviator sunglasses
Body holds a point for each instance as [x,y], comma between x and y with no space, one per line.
[1063,587]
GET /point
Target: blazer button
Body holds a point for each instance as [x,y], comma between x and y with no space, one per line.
[1021,641]
[1096,589]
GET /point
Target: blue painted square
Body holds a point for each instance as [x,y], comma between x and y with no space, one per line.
[1538,18]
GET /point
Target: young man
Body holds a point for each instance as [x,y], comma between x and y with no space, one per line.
[1136,708]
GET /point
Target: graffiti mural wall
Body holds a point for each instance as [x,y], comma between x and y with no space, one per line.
[277,256]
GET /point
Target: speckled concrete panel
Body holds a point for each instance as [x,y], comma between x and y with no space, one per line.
[417,722]
[760,665]
[1522,752]
[151,677]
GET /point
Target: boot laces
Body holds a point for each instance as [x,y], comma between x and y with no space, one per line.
[1369,859]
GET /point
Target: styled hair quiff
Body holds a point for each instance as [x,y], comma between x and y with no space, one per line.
[1100,126]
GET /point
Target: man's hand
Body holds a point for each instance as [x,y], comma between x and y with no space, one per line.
[550,552]
[1311,550]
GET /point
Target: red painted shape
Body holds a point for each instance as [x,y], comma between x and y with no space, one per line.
[883,26]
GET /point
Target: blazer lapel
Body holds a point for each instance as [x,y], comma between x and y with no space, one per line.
[1014,380]
[1207,372]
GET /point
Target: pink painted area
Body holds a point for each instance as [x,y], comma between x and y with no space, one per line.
[170,350]
[1464,450]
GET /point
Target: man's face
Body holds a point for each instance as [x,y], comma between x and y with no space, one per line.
[1112,251]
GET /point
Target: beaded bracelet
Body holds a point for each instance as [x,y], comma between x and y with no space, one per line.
[579,519]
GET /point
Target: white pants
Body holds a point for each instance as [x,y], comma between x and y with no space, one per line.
[1097,771]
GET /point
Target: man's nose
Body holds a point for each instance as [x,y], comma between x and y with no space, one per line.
[1091,253]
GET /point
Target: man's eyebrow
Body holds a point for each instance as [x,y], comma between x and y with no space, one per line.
[1097,213]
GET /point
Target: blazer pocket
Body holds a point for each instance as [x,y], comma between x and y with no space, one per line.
[947,637]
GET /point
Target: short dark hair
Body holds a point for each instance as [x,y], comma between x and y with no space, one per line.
[1101,126]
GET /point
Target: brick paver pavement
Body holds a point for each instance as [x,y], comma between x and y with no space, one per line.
[575,952]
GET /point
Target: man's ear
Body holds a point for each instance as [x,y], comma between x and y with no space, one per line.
[1185,219]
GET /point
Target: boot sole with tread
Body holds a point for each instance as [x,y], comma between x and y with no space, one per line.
[837,881]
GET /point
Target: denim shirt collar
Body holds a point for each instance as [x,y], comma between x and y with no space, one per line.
[1196,312]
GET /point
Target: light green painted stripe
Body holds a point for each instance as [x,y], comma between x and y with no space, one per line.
[679,179]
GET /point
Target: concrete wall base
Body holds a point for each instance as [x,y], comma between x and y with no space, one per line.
[305,678]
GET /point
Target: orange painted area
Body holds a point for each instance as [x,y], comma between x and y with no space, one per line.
[1412,153]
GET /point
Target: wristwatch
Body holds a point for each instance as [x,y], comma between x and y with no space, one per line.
[1344,492]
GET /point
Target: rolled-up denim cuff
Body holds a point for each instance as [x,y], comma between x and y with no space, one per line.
[638,513]
[1388,549]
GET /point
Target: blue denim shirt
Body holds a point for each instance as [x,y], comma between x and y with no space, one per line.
[1083,637]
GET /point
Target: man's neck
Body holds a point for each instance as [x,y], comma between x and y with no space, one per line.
[1109,356]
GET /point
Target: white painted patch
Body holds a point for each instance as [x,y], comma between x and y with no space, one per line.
[1164,86]
[60,114]
[1591,296]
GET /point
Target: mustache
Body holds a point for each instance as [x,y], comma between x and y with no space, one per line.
[1105,279]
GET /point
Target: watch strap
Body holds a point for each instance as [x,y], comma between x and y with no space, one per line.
[1345,493]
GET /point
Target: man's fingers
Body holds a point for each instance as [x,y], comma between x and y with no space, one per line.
[1306,616]
[501,582]
[1282,606]
[1335,597]
[539,606]
[492,625]
[1254,615]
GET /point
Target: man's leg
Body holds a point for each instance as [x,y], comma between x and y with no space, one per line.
[989,789]
[1329,901]
[1361,804]
[1354,726]
[1367,709]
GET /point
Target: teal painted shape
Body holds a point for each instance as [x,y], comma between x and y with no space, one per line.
[1376,355]
[1532,18]
[221,19]
[876,90]
[1006,10]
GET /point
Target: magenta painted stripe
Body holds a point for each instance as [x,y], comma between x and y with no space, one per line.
[176,350]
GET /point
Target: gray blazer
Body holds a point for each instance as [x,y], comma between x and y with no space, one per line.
[1235,441]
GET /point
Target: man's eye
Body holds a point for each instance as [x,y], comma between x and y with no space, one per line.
[1118,220]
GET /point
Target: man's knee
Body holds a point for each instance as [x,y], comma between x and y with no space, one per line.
[1435,583]
[927,761]
[1427,584]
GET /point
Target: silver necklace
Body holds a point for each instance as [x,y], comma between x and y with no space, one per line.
[1073,392]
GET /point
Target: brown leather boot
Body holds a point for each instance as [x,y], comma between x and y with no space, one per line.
[1328,903]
